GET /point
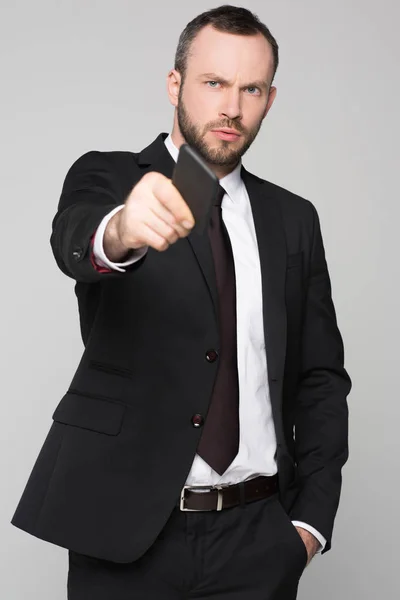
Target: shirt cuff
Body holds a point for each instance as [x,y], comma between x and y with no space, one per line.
[98,249]
[315,533]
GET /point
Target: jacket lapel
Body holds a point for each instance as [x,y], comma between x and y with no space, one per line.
[201,247]
[272,251]
[156,157]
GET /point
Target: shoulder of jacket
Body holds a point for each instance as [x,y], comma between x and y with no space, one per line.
[291,203]
[118,161]
[117,157]
[113,156]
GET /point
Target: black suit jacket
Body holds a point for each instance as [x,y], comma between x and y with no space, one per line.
[122,441]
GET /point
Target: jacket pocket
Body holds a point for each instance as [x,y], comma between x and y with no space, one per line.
[297,540]
[107,368]
[90,412]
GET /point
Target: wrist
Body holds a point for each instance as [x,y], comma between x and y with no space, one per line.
[114,249]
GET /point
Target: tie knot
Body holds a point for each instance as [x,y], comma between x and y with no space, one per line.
[220,194]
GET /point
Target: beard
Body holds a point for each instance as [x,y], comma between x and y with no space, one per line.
[225,154]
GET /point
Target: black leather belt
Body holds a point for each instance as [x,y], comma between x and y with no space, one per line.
[223,496]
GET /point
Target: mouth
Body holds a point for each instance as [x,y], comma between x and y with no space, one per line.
[226,134]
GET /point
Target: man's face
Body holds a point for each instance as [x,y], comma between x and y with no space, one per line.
[227,85]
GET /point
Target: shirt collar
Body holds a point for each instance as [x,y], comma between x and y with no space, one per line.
[231,182]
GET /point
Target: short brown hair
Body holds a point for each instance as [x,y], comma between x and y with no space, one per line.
[226,18]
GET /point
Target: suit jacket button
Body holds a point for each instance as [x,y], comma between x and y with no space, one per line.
[77,254]
[211,355]
[197,420]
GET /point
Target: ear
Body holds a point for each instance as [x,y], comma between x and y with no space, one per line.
[271,98]
[173,86]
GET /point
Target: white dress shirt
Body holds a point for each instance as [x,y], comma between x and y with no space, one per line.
[257,443]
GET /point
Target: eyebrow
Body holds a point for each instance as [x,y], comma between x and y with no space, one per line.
[214,77]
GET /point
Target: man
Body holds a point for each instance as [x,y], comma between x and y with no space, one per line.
[198,450]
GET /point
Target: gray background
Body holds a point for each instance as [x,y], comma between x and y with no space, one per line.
[81,75]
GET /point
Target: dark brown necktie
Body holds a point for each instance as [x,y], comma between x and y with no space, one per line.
[219,443]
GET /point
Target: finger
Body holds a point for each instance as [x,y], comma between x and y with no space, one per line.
[160,227]
[153,239]
[161,211]
[168,195]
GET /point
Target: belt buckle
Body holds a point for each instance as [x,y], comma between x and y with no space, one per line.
[217,487]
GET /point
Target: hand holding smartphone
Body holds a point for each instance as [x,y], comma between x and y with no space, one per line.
[146,217]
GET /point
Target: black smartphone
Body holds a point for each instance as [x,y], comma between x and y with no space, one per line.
[197,184]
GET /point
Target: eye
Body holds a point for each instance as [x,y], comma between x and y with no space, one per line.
[212,82]
[256,89]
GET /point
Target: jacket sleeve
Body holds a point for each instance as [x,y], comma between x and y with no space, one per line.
[321,413]
[91,189]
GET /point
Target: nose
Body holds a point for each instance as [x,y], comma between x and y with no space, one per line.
[231,107]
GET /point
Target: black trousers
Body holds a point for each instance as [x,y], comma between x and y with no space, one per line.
[250,552]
